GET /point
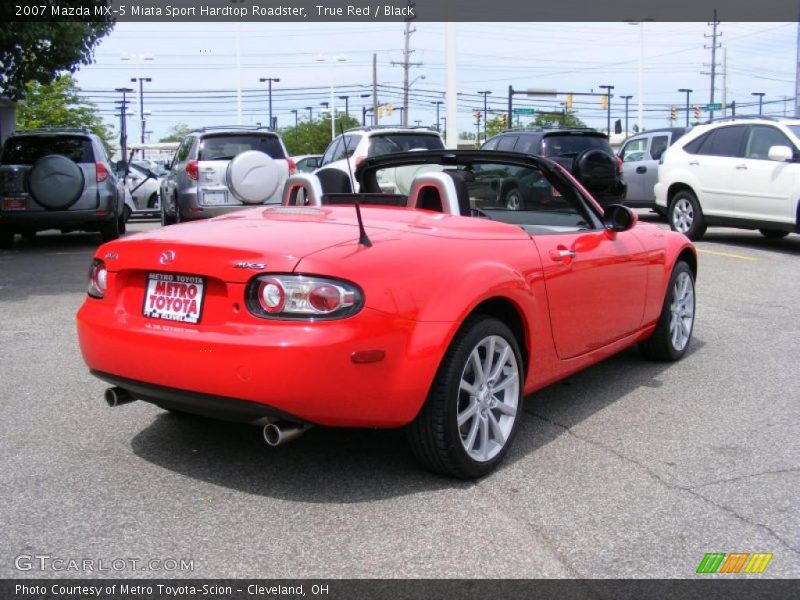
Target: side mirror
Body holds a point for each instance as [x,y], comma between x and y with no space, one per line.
[313,162]
[780,153]
[122,168]
[619,218]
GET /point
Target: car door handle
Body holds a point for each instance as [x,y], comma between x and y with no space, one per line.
[694,163]
[641,169]
[741,167]
[561,254]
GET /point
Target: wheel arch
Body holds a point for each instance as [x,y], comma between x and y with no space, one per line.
[678,187]
[689,256]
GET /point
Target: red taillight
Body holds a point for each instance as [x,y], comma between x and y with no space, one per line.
[271,295]
[193,170]
[101,172]
[292,166]
[325,298]
[619,164]
[98,279]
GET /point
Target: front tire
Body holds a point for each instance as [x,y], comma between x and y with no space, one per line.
[773,234]
[513,199]
[166,219]
[123,219]
[473,409]
[672,334]
[686,216]
[152,201]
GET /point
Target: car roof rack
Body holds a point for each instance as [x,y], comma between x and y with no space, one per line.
[54,130]
[541,129]
[235,128]
[381,127]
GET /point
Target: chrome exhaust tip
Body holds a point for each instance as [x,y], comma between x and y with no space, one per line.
[117,396]
[276,434]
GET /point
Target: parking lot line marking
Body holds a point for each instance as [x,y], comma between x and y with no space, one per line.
[728,254]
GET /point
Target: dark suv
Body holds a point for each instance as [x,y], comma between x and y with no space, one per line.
[58,179]
[585,153]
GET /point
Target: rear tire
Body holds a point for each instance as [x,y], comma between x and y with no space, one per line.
[773,234]
[672,334]
[152,201]
[473,409]
[6,239]
[123,219]
[686,216]
[166,219]
[110,230]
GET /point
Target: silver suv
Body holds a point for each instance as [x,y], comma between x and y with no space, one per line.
[59,179]
[211,159]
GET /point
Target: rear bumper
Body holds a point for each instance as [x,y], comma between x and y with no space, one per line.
[54,219]
[192,209]
[302,370]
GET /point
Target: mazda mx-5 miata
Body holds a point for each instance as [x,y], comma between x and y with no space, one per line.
[436,310]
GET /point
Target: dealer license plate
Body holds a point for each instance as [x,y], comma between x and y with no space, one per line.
[215,198]
[15,203]
[174,297]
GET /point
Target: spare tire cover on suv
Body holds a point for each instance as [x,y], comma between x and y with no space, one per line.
[55,182]
[595,169]
[253,176]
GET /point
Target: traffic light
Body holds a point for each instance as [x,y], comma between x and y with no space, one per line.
[568,101]
[380,111]
[389,109]
[673,114]
[503,119]
[477,116]
[604,102]
[696,112]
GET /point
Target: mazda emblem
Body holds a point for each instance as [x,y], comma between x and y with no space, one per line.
[167,256]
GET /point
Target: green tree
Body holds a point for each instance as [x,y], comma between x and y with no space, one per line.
[312,137]
[177,132]
[495,126]
[59,104]
[565,119]
[38,51]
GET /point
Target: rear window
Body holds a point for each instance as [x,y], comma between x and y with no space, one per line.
[389,143]
[26,150]
[561,145]
[225,147]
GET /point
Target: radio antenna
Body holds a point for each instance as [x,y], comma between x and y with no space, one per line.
[363,238]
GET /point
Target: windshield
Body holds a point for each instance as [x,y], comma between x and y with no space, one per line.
[26,150]
[517,194]
[561,145]
[225,147]
[390,143]
[795,129]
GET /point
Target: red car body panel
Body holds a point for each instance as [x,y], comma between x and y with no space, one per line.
[423,275]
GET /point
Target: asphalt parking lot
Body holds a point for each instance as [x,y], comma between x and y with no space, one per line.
[629,469]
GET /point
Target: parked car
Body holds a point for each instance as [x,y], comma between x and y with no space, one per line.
[740,172]
[640,155]
[59,178]
[437,310]
[209,160]
[585,153]
[144,185]
[307,163]
[347,151]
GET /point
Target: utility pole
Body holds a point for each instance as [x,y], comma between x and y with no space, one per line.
[374,89]
[123,125]
[269,80]
[438,103]
[608,89]
[760,100]
[714,45]
[484,93]
[407,64]
[141,81]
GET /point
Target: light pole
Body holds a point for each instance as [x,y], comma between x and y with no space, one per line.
[686,91]
[484,93]
[438,103]
[346,104]
[626,98]
[310,110]
[760,100]
[269,81]
[294,112]
[364,110]
[333,101]
[404,112]
[608,89]
[141,81]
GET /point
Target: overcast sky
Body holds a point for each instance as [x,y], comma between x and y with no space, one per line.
[201,59]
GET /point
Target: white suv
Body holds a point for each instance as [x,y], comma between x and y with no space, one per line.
[365,142]
[741,172]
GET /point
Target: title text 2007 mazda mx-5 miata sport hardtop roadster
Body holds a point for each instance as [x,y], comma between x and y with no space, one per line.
[423,301]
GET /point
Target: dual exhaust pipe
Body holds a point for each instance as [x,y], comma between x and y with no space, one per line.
[275,433]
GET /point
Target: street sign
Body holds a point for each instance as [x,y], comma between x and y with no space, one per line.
[523,111]
[710,107]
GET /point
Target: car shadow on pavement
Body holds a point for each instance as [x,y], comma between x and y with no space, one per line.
[329,465]
[753,240]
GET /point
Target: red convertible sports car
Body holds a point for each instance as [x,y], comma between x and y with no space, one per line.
[422,302]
